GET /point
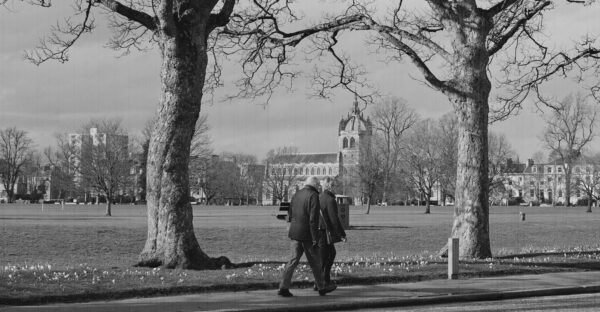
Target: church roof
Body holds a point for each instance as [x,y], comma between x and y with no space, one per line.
[306,158]
[355,121]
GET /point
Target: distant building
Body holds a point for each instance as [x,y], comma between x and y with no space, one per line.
[83,144]
[354,134]
[546,183]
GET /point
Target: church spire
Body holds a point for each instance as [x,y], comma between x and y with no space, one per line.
[356,110]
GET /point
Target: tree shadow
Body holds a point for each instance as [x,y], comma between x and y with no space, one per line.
[376,227]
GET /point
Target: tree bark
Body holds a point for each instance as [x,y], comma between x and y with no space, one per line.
[568,186]
[108,206]
[428,204]
[171,241]
[469,95]
[589,205]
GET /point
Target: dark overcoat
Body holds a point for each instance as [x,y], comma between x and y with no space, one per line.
[304,215]
[330,213]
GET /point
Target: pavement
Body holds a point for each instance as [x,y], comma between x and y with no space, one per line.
[352,297]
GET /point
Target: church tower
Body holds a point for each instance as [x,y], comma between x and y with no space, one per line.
[354,135]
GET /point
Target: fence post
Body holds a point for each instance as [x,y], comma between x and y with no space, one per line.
[453,254]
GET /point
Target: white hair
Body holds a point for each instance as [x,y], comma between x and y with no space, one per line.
[312,181]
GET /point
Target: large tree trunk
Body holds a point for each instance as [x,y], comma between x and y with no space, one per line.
[469,96]
[471,214]
[428,203]
[171,241]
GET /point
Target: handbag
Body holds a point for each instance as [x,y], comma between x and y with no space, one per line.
[327,232]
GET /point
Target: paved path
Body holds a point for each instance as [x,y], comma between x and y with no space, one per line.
[352,297]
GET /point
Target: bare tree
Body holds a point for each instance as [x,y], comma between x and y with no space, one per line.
[461,36]
[247,185]
[452,43]
[16,151]
[423,159]
[64,169]
[280,175]
[201,162]
[538,157]
[570,128]
[181,30]
[499,150]
[449,148]
[103,159]
[368,174]
[589,181]
[390,120]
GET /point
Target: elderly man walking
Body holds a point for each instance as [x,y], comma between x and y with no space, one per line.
[304,223]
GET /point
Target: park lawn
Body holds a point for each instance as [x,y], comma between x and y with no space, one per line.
[74,253]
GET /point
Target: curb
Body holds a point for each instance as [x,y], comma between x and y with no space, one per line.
[431,300]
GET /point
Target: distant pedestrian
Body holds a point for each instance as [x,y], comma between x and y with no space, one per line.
[331,229]
[304,223]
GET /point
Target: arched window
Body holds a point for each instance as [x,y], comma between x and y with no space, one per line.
[318,171]
[312,171]
[330,171]
[352,142]
[345,143]
[306,171]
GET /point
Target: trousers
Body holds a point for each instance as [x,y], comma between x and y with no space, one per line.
[328,253]
[312,255]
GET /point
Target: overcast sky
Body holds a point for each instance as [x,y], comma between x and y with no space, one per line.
[95,83]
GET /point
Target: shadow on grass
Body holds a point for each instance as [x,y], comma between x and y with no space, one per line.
[341,279]
[541,254]
[376,227]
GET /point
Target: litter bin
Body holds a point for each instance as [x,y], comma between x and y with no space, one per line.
[343,203]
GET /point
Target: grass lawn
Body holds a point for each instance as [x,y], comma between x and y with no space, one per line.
[77,253]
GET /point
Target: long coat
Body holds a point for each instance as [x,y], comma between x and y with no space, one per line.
[304,215]
[330,212]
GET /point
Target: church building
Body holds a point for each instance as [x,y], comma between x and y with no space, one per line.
[285,174]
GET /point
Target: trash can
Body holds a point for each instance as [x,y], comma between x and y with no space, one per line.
[343,203]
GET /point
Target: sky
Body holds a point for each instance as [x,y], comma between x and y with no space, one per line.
[99,83]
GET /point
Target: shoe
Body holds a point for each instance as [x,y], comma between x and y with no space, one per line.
[285,293]
[329,288]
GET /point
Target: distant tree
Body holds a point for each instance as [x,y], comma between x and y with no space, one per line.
[249,178]
[201,171]
[499,151]
[423,159]
[449,148]
[280,176]
[61,158]
[588,182]
[103,158]
[391,119]
[539,157]
[570,127]
[16,151]
[368,173]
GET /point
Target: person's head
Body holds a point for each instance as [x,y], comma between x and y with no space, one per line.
[312,181]
[328,184]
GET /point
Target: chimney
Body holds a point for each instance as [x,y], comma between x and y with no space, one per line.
[529,162]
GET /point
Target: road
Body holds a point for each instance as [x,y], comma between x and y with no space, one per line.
[572,303]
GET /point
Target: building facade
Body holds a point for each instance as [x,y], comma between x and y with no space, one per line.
[285,174]
[546,183]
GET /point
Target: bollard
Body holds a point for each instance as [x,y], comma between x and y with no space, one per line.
[522,215]
[453,254]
